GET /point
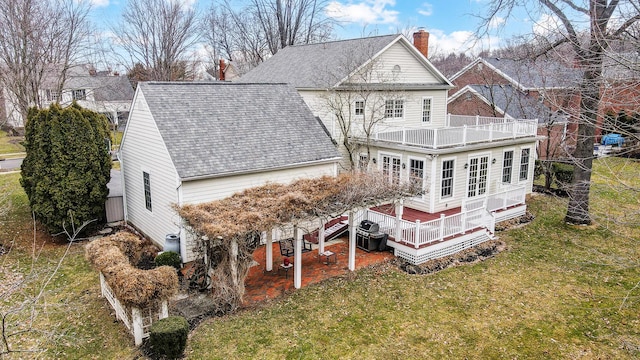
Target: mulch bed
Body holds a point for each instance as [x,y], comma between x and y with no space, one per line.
[480,252]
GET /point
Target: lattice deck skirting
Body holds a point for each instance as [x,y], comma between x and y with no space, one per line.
[449,247]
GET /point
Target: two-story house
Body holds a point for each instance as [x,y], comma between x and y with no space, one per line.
[385,105]
[102,92]
[544,89]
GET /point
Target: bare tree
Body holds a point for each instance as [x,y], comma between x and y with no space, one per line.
[251,33]
[359,104]
[608,21]
[158,34]
[38,39]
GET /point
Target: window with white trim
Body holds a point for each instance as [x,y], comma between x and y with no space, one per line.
[447,179]
[478,169]
[391,168]
[507,166]
[416,169]
[363,162]
[524,164]
[358,107]
[394,109]
[426,110]
[147,190]
[79,94]
[53,95]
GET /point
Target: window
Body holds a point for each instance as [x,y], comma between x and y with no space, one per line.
[147,190]
[391,168]
[359,107]
[524,164]
[363,162]
[507,166]
[416,169]
[478,167]
[79,94]
[53,95]
[394,109]
[447,179]
[426,110]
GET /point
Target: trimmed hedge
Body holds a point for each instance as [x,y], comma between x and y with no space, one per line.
[168,337]
[563,174]
[168,258]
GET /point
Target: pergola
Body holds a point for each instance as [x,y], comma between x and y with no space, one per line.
[233,222]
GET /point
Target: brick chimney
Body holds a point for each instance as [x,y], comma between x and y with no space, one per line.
[421,42]
[221,71]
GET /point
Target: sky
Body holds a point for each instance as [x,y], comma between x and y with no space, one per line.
[451,23]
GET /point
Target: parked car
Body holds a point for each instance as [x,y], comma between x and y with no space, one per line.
[612,139]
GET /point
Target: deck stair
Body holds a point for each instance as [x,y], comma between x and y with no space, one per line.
[332,230]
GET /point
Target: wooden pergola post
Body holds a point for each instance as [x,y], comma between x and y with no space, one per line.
[297,262]
[321,237]
[269,251]
[352,241]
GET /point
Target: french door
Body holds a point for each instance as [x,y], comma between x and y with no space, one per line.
[477,176]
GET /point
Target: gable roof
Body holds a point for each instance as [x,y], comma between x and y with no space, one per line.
[216,129]
[105,88]
[327,64]
[509,101]
[529,74]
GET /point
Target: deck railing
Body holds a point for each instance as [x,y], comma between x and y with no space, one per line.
[473,130]
[475,214]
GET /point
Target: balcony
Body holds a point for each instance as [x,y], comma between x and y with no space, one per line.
[467,130]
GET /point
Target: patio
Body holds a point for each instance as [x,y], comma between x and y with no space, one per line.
[262,285]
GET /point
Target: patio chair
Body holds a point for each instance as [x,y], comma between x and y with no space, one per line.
[287,247]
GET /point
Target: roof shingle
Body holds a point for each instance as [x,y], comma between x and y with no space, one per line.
[219,128]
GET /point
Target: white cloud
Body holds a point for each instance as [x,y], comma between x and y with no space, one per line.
[496,22]
[364,12]
[459,41]
[547,25]
[99,3]
[426,9]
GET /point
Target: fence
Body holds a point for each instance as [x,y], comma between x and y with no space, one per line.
[138,321]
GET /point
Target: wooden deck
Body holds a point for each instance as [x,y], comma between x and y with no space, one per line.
[412,215]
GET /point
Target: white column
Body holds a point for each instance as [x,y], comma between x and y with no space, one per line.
[416,238]
[297,262]
[136,325]
[234,261]
[321,237]
[164,310]
[269,251]
[352,242]
[399,211]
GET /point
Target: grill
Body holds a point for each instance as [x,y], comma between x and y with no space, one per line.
[369,237]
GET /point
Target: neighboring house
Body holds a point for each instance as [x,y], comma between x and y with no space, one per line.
[543,89]
[188,143]
[474,173]
[101,92]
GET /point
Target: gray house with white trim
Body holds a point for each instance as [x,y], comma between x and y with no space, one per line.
[199,142]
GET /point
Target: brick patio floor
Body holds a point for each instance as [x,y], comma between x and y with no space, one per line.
[261,285]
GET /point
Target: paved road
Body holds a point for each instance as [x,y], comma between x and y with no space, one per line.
[11,164]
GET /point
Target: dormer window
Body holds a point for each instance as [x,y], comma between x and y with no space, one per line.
[79,94]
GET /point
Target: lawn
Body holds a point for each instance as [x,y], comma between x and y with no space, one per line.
[10,144]
[558,291]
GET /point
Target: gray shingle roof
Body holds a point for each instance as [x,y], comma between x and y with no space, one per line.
[217,128]
[512,101]
[538,74]
[317,65]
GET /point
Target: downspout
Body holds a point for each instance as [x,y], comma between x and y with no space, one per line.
[124,189]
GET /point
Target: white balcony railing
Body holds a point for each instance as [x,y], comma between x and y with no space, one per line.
[483,129]
[475,214]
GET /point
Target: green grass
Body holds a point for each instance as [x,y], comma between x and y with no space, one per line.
[557,292]
[10,144]
[72,320]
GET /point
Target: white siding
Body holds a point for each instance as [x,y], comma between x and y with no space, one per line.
[412,70]
[199,191]
[143,150]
